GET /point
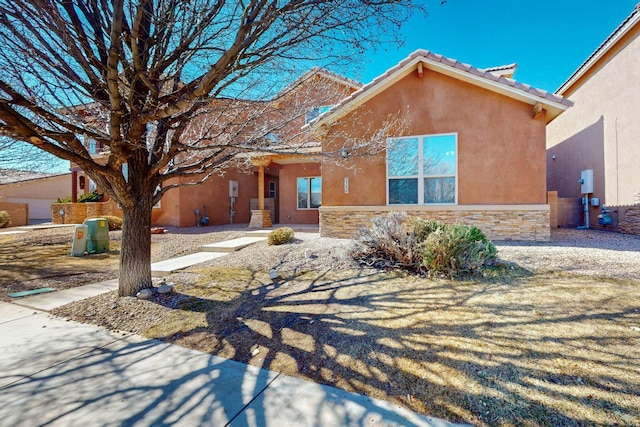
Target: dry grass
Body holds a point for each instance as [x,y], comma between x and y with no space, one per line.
[511,350]
[26,266]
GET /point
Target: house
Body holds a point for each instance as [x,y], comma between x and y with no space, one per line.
[260,185]
[36,190]
[601,134]
[470,149]
[432,136]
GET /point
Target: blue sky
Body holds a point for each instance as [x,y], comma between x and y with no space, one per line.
[548,39]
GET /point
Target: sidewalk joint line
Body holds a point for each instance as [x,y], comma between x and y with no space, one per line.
[252,400]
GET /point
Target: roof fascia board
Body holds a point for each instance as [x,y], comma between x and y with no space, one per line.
[600,51]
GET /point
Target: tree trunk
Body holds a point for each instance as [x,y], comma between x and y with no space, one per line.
[135,251]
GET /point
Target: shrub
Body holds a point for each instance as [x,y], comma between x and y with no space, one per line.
[280,236]
[94,196]
[387,244]
[64,200]
[115,223]
[423,246]
[5,219]
[455,250]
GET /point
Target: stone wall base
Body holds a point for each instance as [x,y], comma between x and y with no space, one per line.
[517,222]
[629,219]
[260,219]
[76,213]
[19,212]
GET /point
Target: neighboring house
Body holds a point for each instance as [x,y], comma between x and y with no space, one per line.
[601,133]
[38,190]
[472,150]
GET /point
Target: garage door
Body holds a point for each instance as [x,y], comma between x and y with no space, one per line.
[38,208]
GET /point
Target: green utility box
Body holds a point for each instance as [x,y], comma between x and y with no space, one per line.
[97,235]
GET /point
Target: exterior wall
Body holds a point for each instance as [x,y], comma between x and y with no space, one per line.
[214,193]
[76,213]
[19,213]
[501,160]
[601,130]
[37,193]
[524,222]
[501,147]
[289,212]
[570,213]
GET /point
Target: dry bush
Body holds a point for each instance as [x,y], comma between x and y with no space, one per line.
[280,236]
[427,247]
[5,219]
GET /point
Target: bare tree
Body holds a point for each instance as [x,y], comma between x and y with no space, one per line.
[136,76]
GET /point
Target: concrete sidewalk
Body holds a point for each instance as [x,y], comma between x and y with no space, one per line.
[61,373]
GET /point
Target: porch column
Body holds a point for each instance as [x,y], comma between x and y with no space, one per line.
[260,218]
[74,186]
[261,187]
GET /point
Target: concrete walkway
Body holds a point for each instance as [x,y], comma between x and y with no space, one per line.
[60,373]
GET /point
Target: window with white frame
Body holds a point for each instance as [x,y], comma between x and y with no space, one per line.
[309,192]
[422,169]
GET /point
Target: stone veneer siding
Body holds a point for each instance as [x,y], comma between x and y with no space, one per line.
[512,222]
[631,222]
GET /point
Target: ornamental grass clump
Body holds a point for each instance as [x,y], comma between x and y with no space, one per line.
[5,219]
[280,236]
[427,247]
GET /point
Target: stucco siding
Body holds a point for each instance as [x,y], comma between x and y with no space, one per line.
[501,147]
[601,131]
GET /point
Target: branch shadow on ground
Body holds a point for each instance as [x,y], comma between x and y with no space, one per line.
[530,351]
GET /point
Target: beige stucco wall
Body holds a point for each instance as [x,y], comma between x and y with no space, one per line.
[501,181]
[289,212]
[37,193]
[601,131]
[501,147]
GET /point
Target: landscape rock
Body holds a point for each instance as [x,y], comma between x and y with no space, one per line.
[165,289]
[145,294]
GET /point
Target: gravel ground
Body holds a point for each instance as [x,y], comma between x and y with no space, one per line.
[589,252]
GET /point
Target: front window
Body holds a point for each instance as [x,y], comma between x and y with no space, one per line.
[309,193]
[422,170]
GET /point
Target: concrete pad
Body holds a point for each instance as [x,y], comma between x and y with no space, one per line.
[44,226]
[232,245]
[9,312]
[57,299]
[293,401]
[164,268]
[36,342]
[133,381]
[259,233]
[11,233]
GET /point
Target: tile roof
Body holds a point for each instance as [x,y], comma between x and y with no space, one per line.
[622,29]
[489,78]
[10,176]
